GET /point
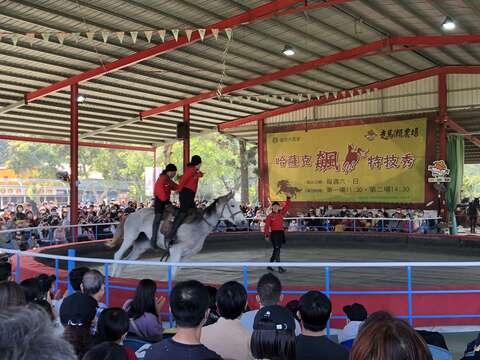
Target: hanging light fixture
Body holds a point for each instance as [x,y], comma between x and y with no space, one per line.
[81,98]
[288,50]
[448,24]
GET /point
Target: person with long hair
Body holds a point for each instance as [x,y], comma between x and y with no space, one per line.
[144,312]
[382,337]
[11,294]
[273,335]
[162,192]
[187,188]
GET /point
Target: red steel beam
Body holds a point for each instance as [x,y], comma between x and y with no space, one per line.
[74,160]
[248,16]
[81,143]
[404,43]
[309,7]
[398,80]
[459,129]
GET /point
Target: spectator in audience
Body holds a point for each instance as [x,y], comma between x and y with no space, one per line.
[5,272]
[144,312]
[45,305]
[293,306]
[112,326]
[27,334]
[75,278]
[11,294]
[106,351]
[269,292]
[273,335]
[436,344]
[384,337]
[227,337]
[356,315]
[47,286]
[76,315]
[314,313]
[93,284]
[189,305]
[213,315]
[31,287]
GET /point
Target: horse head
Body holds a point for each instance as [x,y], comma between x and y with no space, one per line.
[229,208]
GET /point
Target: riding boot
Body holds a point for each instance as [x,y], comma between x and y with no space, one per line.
[156,224]
[272,258]
[176,224]
[281,270]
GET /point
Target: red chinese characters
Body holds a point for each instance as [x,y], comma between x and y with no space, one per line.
[327,160]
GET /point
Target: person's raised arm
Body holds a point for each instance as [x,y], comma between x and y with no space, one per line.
[286,207]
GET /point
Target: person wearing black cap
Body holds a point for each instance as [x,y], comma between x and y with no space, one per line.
[163,189]
[315,310]
[273,334]
[187,188]
[76,315]
[356,315]
[274,230]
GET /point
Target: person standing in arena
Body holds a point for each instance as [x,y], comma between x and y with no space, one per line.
[187,189]
[275,232]
[163,189]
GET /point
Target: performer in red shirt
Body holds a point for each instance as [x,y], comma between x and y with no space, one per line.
[275,231]
[163,189]
[187,188]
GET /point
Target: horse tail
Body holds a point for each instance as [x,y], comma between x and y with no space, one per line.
[118,236]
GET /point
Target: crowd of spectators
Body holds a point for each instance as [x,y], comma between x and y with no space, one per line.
[38,322]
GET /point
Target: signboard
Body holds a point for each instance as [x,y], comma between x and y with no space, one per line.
[377,162]
[439,171]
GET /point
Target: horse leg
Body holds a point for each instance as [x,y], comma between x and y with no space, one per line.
[130,235]
[175,257]
[139,247]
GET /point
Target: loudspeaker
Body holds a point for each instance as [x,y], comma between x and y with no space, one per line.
[182,131]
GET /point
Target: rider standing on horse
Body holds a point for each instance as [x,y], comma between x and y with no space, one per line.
[187,189]
[163,189]
[275,231]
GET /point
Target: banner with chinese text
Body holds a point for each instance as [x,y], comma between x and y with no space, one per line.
[381,162]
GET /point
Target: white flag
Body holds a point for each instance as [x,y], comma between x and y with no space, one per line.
[148,35]
[120,36]
[14,39]
[282,98]
[162,34]
[76,36]
[188,32]
[202,32]
[309,97]
[215,33]
[45,36]
[229,32]
[134,35]
[175,34]
[90,35]
[61,37]
[30,37]
[317,96]
[105,35]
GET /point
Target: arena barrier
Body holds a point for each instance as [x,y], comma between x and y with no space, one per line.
[456,297]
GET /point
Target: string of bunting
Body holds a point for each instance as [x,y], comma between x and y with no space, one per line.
[341,94]
[107,36]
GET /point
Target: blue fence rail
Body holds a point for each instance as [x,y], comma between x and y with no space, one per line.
[244,268]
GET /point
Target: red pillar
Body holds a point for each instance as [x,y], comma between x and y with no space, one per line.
[74,159]
[186,139]
[261,163]
[442,134]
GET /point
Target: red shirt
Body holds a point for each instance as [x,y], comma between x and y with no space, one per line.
[190,179]
[163,187]
[274,221]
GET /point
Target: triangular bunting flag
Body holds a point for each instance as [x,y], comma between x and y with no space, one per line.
[162,34]
[14,39]
[317,96]
[105,35]
[134,35]
[76,36]
[267,98]
[215,33]
[120,36]
[202,32]
[61,37]
[45,36]
[300,97]
[90,35]
[231,100]
[282,98]
[229,33]
[175,34]
[248,98]
[30,37]
[309,97]
[188,32]
[148,35]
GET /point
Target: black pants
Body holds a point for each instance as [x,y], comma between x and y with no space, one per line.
[160,205]
[278,239]
[473,224]
[187,200]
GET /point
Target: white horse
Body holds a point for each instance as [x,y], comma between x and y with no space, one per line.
[190,236]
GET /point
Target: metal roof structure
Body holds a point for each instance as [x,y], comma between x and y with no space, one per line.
[129,85]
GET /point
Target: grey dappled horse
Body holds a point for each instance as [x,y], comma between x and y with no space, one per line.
[190,236]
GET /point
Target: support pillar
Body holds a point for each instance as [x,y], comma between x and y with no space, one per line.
[442,135]
[261,163]
[74,161]
[186,138]
[154,169]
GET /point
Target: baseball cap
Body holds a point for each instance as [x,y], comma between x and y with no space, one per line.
[355,312]
[274,317]
[78,309]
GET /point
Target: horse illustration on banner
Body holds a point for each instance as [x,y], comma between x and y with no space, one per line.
[354,155]
[284,187]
